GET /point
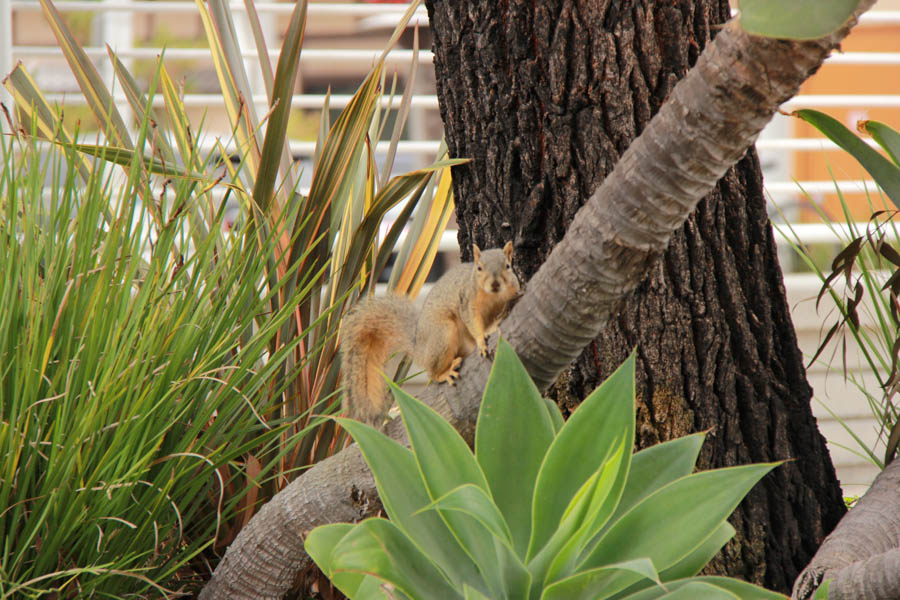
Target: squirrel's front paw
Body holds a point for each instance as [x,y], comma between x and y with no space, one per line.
[483,349]
[452,374]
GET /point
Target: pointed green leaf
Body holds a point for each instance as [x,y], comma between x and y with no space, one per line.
[601,582]
[694,562]
[885,173]
[512,402]
[584,442]
[658,465]
[403,494]
[282,95]
[736,587]
[443,455]
[446,462]
[473,501]
[599,506]
[92,86]
[29,98]
[320,545]
[470,594]
[378,548]
[822,591]
[887,137]
[684,513]
[798,20]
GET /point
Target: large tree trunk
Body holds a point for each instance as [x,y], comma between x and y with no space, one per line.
[614,242]
[545,97]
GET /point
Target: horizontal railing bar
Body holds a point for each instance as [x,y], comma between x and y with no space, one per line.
[315,8]
[876,17]
[307,55]
[852,186]
[309,101]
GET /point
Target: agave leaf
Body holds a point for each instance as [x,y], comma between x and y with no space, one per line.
[656,466]
[472,594]
[885,173]
[601,582]
[735,587]
[403,494]
[597,509]
[321,543]
[579,449]
[442,454]
[887,138]
[798,20]
[685,512]
[377,547]
[512,402]
[474,505]
[822,591]
[445,463]
[475,502]
[691,564]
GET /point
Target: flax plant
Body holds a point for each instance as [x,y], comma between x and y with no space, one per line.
[335,229]
[317,250]
[135,378]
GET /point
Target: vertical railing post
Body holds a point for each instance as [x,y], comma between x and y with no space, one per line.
[117,30]
[6,62]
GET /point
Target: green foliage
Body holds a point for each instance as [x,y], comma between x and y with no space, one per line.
[329,238]
[162,370]
[868,267]
[135,380]
[798,20]
[541,509]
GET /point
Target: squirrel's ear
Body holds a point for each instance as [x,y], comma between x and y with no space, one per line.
[476,252]
[508,250]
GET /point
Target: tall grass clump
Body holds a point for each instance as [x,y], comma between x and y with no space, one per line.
[135,376]
[307,255]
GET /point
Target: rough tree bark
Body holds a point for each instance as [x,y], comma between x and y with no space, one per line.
[616,239]
[545,97]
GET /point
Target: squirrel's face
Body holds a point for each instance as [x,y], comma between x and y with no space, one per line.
[494,273]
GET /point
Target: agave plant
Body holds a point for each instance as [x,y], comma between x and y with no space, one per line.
[329,236]
[542,509]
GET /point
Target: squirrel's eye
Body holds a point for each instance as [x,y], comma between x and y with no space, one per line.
[508,266]
[479,267]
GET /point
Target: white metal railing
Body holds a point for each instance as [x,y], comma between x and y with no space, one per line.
[779,146]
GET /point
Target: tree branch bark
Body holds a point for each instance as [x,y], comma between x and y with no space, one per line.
[862,555]
[714,114]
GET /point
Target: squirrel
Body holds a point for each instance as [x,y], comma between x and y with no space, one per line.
[465,305]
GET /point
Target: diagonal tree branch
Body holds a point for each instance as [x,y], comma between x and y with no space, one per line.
[862,555]
[715,113]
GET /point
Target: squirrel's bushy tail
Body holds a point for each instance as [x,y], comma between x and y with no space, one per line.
[374,330]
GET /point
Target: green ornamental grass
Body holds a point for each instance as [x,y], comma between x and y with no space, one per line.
[134,368]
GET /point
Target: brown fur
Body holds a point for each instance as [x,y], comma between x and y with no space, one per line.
[465,305]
